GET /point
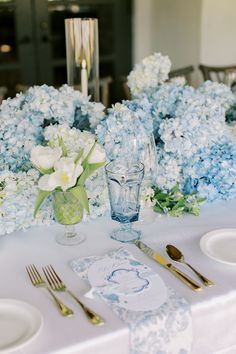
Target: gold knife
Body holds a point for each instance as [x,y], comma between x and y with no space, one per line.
[161,260]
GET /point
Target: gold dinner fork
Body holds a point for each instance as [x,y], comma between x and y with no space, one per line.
[38,282]
[58,285]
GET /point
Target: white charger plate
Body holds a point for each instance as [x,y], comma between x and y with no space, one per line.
[220,245]
[20,323]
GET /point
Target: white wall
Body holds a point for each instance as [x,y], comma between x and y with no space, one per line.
[175,30]
[171,27]
[218,32]
[142,35]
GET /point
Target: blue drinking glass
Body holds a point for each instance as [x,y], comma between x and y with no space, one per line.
[124,180]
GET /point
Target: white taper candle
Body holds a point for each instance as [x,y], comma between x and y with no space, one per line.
[84,79]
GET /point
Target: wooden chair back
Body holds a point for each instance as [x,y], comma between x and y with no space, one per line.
[184,73]
[217,73]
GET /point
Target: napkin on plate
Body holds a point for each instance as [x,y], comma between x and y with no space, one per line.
[158,318]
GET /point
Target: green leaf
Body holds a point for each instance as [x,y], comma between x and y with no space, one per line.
[85,162]
[42,195]
[161,196]
[200,200]
[175,189]
[80,154]
[80,193]
[44,171]
[88,171]
[158,209]
[176,213]
[194,211]
[179,204]
[62,145]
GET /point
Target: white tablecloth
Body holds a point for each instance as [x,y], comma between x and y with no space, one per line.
[213,310]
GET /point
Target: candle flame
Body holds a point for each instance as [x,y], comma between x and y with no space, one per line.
[83,64]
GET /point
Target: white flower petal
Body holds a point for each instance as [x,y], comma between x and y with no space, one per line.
[45,157]
[44,184]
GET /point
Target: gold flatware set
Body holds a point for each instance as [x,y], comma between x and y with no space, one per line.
[56,284]
[176,255]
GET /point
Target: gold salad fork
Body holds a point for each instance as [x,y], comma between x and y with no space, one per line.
[58,285]
[38,282]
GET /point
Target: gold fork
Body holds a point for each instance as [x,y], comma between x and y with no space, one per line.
[38,282]
[58,285]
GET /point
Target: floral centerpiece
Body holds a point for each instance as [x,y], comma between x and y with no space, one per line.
[23,120]
[65,165]
[195,144]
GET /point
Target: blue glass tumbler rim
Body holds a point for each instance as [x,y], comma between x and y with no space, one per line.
[123,163]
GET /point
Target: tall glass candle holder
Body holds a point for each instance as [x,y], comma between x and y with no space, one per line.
[82,55]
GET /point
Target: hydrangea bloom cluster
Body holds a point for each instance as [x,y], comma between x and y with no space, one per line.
[126,129]
[213,171]
[148,74]
[22,122]
[17,198]
[127,132]
[28,113]
[198,122]
[194,145]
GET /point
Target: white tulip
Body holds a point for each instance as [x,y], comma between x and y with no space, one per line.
[98,155]
[65,175]
[46,184]
[44,157]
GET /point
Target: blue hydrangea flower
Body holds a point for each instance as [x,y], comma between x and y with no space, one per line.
[22,120]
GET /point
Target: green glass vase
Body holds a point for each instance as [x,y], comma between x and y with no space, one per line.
[68,211]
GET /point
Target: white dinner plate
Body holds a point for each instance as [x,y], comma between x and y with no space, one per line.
[220,245]
[20,323]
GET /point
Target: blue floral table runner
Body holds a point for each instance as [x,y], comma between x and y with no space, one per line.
[165,330]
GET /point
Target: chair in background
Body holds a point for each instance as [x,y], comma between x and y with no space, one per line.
[105,90]
[126,89]
[183,74]
[218,73]
[3,92]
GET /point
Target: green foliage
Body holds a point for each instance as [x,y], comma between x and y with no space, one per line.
[80,193]
[175,203]
[62,145]
[42,195]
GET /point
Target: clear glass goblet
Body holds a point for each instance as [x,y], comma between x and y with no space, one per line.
[124,180]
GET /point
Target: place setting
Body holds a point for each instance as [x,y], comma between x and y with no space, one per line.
[107,189]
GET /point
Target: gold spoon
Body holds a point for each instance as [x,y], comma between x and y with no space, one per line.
[177,256]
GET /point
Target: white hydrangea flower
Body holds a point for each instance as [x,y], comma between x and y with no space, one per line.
[148,74]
